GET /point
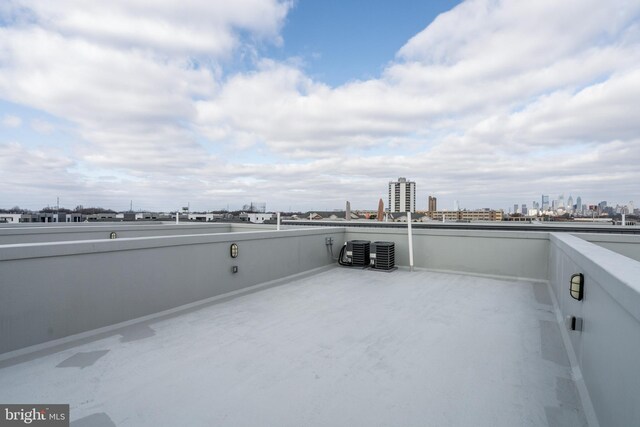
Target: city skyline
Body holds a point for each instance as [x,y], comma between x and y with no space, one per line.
[307,104]
[420,205]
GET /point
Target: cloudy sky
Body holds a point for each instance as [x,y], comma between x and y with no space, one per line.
[305,104]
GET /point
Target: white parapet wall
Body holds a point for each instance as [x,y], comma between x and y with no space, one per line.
[627,245]
[509,254]
[60,282]
[607,350]
[40,233]
[52,290]
[85,280]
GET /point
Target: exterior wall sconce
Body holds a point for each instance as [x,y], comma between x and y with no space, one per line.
[113,235]
[576,289]
[234,250]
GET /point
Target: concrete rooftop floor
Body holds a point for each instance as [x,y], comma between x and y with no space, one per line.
[342,348]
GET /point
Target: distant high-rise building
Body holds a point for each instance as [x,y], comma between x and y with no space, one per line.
[579,205]
[631,207]
[515,208]
[560,201]
[456,205]
[545,202]
[524,209]
[433,204]
[402,196]
[570,203]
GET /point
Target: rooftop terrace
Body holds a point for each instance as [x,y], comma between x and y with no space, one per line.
[158,330]
[341,347]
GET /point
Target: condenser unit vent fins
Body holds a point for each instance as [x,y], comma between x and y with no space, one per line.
[361,251]
[383,255]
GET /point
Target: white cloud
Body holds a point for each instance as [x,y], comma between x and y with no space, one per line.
[27,170]
[451,76]
[126,72]
[11,121]
[95,83]
[42,126]
[493,101]
[191,27]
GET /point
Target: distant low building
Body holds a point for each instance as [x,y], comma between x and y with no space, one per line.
[479,215]
[129,216]
[333,215]
[102,216]
[172,217]
[205,217]
[521,218]
[147,216]
[10,218]
[65,217]
[257,218]
[403,217]
[37,217]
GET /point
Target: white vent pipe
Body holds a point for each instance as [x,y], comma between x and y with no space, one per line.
[410,241]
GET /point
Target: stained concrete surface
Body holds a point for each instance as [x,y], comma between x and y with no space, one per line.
[82,360]
[137,332]
[343,347]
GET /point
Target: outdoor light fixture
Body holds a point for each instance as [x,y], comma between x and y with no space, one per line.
[234,250]
[576,289]
[113,235]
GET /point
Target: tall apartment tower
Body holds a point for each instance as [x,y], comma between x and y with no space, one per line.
[402,196]
[433,204]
